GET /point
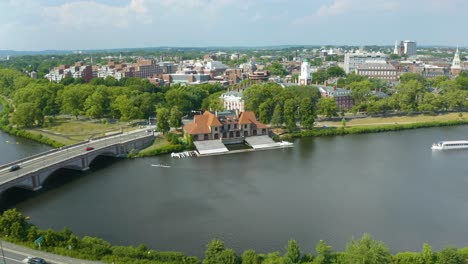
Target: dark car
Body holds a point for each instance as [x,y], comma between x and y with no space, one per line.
[34,260]
[37,261]
[15,167]
[89,148]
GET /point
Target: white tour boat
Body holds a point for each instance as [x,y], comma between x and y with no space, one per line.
[443,145]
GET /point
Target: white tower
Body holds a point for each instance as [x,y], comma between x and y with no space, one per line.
[395,50]
[305,78]
[456,64]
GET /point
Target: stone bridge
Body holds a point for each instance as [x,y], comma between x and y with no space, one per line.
[34,171]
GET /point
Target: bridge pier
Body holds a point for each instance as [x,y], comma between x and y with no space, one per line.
[85,163]
[36,183]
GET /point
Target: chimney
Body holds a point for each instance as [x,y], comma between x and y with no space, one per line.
[334,88]
[216,113]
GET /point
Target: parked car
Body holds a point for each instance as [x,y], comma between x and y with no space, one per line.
[89,148]
[15,167]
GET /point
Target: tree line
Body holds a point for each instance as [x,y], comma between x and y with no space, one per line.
[15,228]
[127,99]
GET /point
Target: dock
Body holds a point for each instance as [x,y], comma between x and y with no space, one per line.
[217,147]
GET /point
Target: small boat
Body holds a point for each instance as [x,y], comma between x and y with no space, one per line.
[445,145]
[160,165]
[285,143]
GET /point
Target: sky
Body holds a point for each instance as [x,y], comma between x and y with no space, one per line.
[104,24]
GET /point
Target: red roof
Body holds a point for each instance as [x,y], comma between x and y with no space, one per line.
[202,124]
[248,117]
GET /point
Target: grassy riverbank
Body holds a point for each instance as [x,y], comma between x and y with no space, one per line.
[378,125]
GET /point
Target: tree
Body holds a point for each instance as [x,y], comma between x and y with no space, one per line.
[96,105]
[306,110]
[277,68]
[290,115]
[277,118]
[427,256]
[450,255]
[293,253]
[250,257]
[265,111]
[27,115]
[327,106]
[335,71]
[175,120]
[323,253]
[162,116]
[216,253]
[360,90]
[367,251]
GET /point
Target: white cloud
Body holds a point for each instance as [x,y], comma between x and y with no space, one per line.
[338,7]
[82,14]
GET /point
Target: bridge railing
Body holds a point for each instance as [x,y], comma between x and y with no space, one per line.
[40,154]
[7,165]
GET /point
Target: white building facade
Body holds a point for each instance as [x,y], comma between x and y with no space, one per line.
[410,48]
[233,101]
[352,60]
[305,78]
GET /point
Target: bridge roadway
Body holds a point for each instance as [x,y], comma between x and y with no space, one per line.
[74,157]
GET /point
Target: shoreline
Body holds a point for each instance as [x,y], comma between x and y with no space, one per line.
[367,129]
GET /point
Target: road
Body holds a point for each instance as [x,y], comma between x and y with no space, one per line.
[37,163]
[15,254]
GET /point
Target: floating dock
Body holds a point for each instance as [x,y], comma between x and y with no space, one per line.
[217,147]
[210,147]
[261,142]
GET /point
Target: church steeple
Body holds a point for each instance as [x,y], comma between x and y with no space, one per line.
[456,63]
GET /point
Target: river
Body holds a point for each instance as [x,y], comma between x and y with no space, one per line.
[390,185]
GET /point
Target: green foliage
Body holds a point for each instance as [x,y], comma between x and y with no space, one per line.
[293,253]
[290,115]
[307,113]
[27,115]
[277,118]
[450,255]
[216,253]
[250,257]
[324,253]
[407,258]
[175,118]
[367,251]
[162,115]
[326,106]
[277,69]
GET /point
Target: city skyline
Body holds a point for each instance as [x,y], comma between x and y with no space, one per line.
[104,24]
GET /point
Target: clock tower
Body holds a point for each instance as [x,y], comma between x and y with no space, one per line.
[305,78]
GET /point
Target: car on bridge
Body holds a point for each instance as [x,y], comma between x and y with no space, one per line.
[34,260]
[15,167]
[89,148]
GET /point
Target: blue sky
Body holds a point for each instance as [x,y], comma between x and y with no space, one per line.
[100,24]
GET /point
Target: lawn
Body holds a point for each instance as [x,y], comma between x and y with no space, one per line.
[74,131]
[369,121]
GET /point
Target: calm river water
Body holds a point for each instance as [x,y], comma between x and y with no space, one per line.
[390,185]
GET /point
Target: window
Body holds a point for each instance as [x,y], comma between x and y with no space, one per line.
[229,126]
[235,126]
[216,129]
[245,126]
